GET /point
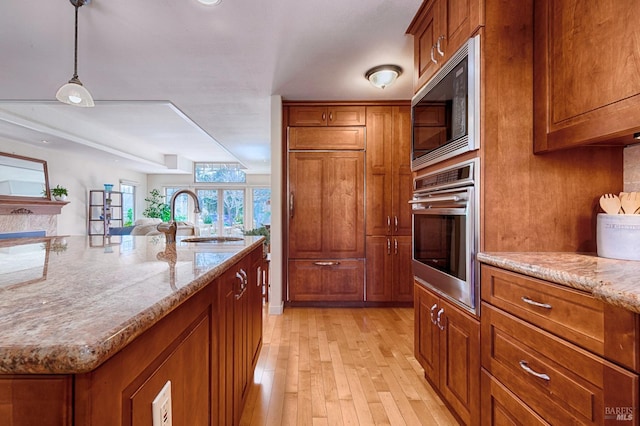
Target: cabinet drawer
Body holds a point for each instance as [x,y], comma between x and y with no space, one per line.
[326,280]
[325,138]
[604,329]
[501,407]
[561,382]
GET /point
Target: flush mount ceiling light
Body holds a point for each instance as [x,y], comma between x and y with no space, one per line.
[74,93]
[210,2]
[383,75]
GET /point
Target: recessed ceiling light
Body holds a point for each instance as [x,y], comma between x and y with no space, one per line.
[210,2]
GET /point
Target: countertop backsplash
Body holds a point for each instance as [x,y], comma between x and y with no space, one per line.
[632,168]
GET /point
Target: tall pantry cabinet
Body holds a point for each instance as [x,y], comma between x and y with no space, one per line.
[332,196]
[389,189]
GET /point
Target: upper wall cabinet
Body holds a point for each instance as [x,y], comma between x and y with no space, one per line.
[327,116]
[586,73]
[439,29]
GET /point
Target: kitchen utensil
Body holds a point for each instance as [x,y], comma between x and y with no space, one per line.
[630,202]
[610,203]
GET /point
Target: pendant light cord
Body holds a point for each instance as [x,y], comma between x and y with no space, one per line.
[75,50]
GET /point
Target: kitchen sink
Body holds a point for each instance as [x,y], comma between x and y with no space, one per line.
[211,239]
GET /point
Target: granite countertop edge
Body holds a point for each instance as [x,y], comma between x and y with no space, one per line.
[78,359]
[610,280]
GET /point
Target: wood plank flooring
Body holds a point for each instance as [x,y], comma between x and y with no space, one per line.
[338,366]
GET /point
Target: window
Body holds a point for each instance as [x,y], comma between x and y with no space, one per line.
[218,173]
[261,207]
[181,213]
[128,203]
[222,211]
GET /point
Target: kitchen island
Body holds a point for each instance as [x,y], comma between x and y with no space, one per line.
[560,339]
[90,335]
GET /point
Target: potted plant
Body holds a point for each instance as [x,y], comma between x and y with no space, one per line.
[59,193]
[157,208]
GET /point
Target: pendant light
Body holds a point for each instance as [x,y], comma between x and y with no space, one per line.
[74,93]
[383,75]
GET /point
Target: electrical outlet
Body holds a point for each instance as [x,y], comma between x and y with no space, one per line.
[161,406]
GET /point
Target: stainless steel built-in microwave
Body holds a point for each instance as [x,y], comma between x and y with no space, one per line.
[445,113]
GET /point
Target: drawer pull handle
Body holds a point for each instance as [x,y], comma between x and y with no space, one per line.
[525,366]
[433,308]
[534,303]
[326,263]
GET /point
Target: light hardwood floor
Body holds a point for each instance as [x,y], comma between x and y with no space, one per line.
[336,366]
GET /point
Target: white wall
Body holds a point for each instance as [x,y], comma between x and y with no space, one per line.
[78,174]
[276,304]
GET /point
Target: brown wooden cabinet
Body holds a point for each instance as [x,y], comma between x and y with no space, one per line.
[332,115]
[326,235]
[326,205]
[548,351]
[447,346]
[587,88]
[440,28]
[326,280]
[389,177]
[389,273]
[388,213]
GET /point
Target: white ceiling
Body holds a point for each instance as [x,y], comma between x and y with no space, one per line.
[177,78]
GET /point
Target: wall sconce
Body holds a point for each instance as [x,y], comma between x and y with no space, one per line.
[383,75]
[74,93]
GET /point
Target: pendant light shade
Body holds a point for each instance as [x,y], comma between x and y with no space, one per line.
[74,93]
[383,75]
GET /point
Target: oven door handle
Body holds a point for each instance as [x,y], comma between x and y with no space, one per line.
[439,199]
[442,211]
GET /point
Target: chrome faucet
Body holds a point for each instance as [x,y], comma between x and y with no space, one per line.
[170,228]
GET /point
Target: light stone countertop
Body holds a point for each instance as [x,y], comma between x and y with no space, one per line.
[614,281]
[66,307]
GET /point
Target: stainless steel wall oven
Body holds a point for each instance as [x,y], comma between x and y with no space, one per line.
[445,232]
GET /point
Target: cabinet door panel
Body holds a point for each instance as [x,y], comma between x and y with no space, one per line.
[457,15]
[343,198]
[187,368]
[346,116]
[586,91]
[306,208]
[379,170]
[425,34]
[307,116]
[327,220]
[402,271]
[427,334]
[402,176]
[379,269]
[460,365]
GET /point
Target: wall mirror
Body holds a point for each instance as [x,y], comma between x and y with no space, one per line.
[23,178]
